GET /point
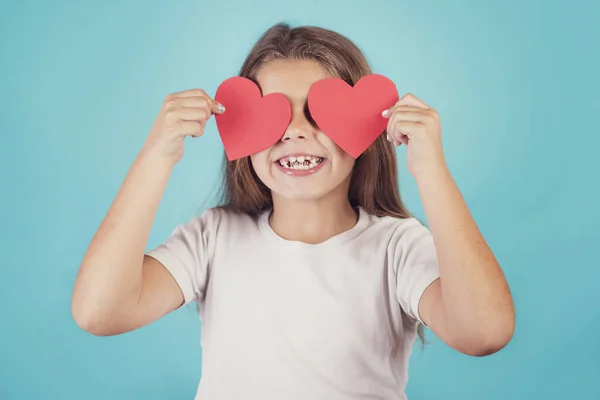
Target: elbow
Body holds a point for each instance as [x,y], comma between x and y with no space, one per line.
[85,321]
[485,348]
[88,320]
[487,341]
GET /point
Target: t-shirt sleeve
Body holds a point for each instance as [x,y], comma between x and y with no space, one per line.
[187,252]
[415,264]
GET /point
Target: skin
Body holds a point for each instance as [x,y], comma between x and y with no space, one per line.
[470,307]
[313,208]
[118,289]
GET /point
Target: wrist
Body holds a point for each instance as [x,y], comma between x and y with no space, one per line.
[154,160]
[433,173]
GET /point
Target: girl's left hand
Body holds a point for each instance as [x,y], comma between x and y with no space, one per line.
[417,125]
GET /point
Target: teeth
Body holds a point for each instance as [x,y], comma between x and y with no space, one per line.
[300,162]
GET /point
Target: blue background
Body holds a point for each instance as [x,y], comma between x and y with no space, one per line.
[516,84]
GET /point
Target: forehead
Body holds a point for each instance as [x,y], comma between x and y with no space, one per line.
[292,78]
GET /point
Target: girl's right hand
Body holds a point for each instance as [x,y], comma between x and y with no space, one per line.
[182,114]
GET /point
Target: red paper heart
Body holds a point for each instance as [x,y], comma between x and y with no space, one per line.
[351,116]
[251,122]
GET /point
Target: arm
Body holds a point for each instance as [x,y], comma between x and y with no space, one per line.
[118,289]
[470,307]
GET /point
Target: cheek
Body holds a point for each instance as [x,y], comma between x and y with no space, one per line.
[343,161]
[260,163]
[346,163]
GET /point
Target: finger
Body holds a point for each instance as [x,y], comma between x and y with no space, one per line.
[188,128]
[199,132]
[400,107]
[198,114]
[402,115]
[410,99]
[195,102]
[192,102]
[194,114]
[391,140]
[406,129]
[215,106]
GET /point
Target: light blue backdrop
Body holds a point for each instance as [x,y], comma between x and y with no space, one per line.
[516,84]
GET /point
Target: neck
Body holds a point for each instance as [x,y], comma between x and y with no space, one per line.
[313,221]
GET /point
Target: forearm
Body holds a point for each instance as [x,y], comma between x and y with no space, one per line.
[475,295]
[110,274]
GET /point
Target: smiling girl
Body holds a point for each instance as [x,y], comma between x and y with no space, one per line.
[312,279]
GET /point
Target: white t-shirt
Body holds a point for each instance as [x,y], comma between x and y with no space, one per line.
[289,320]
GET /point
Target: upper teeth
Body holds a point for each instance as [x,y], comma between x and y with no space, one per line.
[300,162]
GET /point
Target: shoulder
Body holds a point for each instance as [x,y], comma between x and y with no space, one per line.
[219,219]
[397,228]
[400,234]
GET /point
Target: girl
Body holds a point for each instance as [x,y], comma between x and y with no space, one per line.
[312,283]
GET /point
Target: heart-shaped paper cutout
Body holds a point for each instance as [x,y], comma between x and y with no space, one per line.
[351,116]
[251,122]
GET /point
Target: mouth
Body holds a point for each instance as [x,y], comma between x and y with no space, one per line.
[300,162]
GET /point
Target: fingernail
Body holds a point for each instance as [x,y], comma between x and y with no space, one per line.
[221,108]
[384,113]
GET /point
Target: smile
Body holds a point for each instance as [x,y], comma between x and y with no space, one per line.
[300,162]
[300,165]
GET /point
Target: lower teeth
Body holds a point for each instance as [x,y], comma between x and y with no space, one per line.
[302,166]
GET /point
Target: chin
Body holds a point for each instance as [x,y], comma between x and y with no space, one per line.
[310,188]
[299,196]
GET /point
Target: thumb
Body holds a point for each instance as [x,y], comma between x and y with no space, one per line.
[217,108]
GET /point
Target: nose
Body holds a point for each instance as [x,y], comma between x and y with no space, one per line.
[300,128]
